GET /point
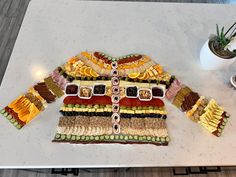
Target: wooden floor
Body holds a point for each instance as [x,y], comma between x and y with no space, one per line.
[133,172]
[11,16]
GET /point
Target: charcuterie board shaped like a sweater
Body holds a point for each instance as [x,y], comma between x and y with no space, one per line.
[114,100]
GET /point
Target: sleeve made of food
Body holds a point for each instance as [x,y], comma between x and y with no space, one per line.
[31,103]
[200,109]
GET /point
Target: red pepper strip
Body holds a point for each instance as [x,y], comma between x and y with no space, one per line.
[93,100]
[14,115]
[130,59]
[129,102]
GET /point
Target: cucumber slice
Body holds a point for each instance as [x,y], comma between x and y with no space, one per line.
[9,117]
[77,105]
[153,139]
[89,106]
[77,137]
[5,114]
[144,138]
[96,106]
[19,126]
[15,124]
[2,111]
[158,139]
[121,137]
[131,137]
[126,137]
[140,138]
[96,138]
[167,139]
[83,137]
[163,139]
[73,137]
[150,107]
[91,137]
[63,137]
[70,105]
[82,106]
[87,138]
[149,138]
[102,137]
[12,120]
[112,137]
[107,137]
[136,137]
[116,137]
[58,136]
[68,137]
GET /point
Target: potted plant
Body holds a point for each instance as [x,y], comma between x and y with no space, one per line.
[219,51]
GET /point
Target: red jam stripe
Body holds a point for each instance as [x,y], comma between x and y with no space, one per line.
[129,102]
[104,100]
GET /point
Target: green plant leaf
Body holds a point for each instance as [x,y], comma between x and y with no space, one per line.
[217,30]
[222,32]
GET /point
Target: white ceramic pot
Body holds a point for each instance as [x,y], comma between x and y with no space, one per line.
[210,61]
[233,81]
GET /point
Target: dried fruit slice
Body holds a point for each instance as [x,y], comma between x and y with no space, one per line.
[158,68]
[87,71]
[133,75]
[143,76]
[86,54]
[82,70]
[93,73]
[73,60]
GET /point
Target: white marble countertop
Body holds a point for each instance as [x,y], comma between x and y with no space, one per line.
[172,34]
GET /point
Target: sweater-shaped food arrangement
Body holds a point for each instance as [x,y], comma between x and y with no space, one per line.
[114,100]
